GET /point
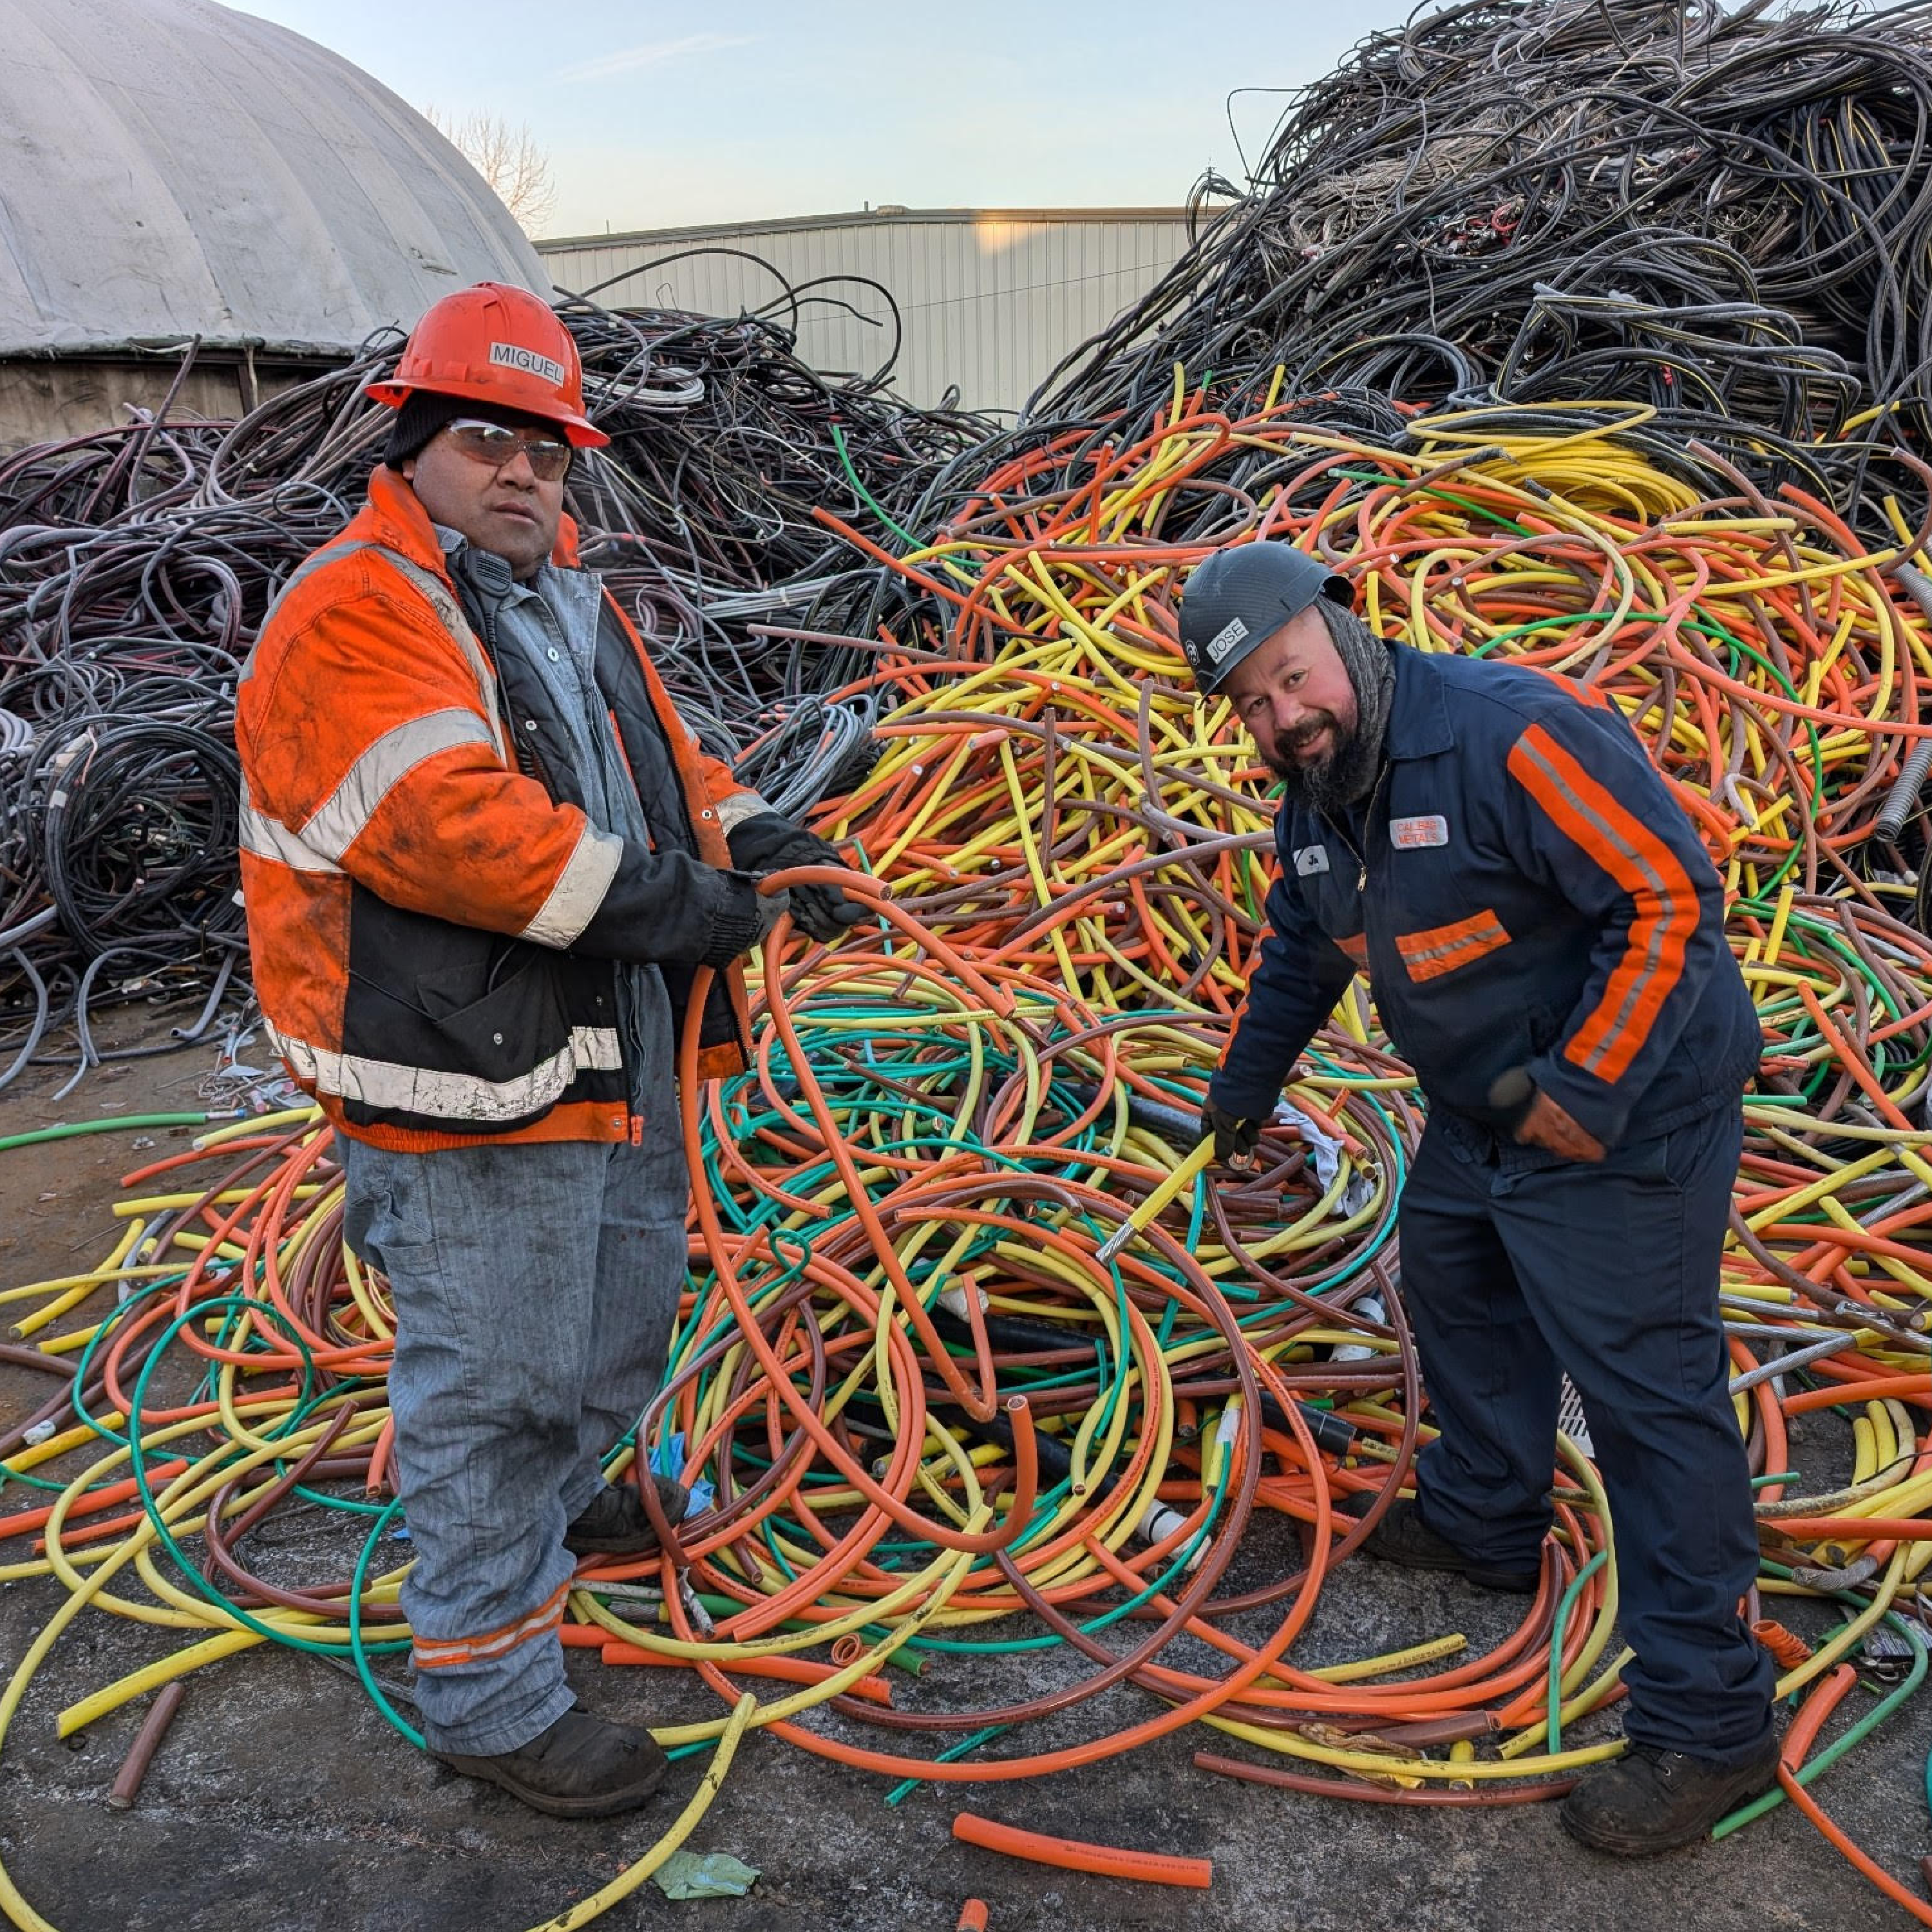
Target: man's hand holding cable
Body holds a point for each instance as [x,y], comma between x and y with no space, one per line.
[1235,1140]
[767,842]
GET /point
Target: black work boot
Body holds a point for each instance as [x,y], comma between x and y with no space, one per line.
[1654,1801]
[615,1522]
[582,1767]
[1402,1537]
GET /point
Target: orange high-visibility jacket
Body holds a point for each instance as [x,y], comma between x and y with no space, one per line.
[436,925]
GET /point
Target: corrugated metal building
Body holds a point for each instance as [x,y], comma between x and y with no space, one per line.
[990,298]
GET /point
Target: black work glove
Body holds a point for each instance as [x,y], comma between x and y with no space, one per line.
[769,843]
[1235,1140]
[772,907]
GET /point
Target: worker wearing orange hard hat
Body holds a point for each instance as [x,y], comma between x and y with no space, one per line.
[483,860]
[498,345]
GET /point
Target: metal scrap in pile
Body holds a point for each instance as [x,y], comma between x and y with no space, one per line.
[1723,213]
[137,565]
[939,1415]
[903,1211]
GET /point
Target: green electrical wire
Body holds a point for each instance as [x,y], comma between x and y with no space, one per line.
[72,1128]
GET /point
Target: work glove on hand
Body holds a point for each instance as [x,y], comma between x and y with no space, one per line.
[1535,1119]
[769,843]
[1548,1126]
[1235,1140]
[772,907]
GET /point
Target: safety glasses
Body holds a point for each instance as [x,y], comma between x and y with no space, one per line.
[494,444]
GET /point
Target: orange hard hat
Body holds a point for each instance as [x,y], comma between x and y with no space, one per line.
[499,344]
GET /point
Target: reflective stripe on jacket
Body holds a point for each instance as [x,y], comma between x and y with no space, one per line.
[1523,891]
[434,921]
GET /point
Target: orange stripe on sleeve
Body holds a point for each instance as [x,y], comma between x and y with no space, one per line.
[1646,868]
[1584,694]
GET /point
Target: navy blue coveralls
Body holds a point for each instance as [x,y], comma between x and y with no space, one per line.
[1523,891]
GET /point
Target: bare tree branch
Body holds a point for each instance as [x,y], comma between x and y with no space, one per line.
[507,156]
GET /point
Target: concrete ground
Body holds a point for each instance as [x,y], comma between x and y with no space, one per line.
[281,1801]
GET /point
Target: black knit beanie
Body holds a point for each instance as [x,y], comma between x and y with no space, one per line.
[423,412]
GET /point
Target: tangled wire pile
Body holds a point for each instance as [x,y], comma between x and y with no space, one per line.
[701,514]
[976,1364]
[137,565]
[1724,213]
[1595,342]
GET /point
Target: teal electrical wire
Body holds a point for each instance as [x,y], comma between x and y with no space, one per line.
[306,1404]
[1821,1761]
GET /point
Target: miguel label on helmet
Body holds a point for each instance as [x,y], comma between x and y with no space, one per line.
[1224,639]
[514,355]
[1311,859]
[1409,835]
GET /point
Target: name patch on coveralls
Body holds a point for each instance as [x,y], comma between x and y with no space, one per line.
[1407,834]
[1311,859]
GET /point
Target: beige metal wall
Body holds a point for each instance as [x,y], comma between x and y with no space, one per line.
[990,298]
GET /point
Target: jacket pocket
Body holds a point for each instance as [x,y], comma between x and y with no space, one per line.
[507,1050]
[1430,954]
[514,1021]
[427,1002]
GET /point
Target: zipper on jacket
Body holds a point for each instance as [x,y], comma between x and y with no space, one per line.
[664,732]
[1368,831]
[637,1130]
[607,608]
[521,750]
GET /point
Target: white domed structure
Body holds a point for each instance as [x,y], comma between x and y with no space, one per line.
[171,168]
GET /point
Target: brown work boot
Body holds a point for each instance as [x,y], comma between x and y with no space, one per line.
[1650,1800]
[1402,1537]
[616,1523]
[582,1767]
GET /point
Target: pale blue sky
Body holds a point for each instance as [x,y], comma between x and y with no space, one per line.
[655,116]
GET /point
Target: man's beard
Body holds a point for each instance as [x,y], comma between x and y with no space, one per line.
[1338,779]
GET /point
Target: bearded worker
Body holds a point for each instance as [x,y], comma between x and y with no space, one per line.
[1543,934]
[483,859]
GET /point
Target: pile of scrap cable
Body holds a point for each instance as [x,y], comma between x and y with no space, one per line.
[952,1437]
[1724,213]
[137,564]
